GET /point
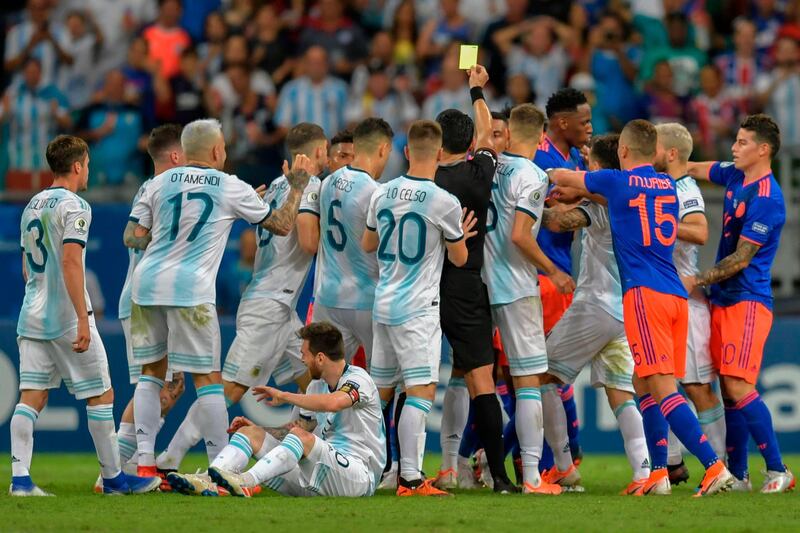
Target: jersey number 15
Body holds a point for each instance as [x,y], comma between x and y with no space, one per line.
[659,216]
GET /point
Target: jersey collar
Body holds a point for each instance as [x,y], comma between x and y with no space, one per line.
[344,371]
[745,183]
[414,178]
[555,147]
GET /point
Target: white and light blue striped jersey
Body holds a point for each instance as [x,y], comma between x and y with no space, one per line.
[18,38]
[52,218]
[598,281]
[690,200]
[358,431]
[134,256]
[346,275]
[281,266]
[32,124]
[413,217]
[446,99]
[189,211]
[324,104]
[519,185]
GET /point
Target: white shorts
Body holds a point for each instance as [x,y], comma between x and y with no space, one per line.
[521,328]
[134,370]
[265,331]
[325,472]
[407,354]
[587,334]
[355,325]
[188,335]
[44,363]
[699,368]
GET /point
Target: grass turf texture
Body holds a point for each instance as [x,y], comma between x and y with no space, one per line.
[76,508]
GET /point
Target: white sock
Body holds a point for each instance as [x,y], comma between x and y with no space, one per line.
[234,456]
[22,423]
[188,435]
[277,462]
[630,425]
[530,432]
[212,418]
[712,421]
[674,449]
[411,433]
[104,435]
[126,440]
[146,415]
[455,412]
[555,426]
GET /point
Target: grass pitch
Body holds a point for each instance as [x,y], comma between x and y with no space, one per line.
[76,508]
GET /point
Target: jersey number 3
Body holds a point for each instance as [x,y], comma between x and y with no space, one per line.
[37,267]
[177,204]
[660,218]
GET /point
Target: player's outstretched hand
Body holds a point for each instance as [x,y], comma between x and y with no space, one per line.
[238,423]
[269,395]
[468,222]
[81,342]
[565,195]
[478,76]
[300,172]
[261,190]
[563,282]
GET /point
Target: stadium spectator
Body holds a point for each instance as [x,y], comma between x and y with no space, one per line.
[381,52]
[37,36]
[779,90]
[380,99]
[222,96]
[139,75]
[166,39]
[82,41]
[271,46]
[518,91]
[112,127]
[516,11]
[211,50]
[238,14]
[684,57]
[454,91]
[331,30]
[314,97]
[194,20]
[182,94]
[713,113]
[438,33]
[404,34]
[741,66]
[34,110]
[661,101]
[768,16]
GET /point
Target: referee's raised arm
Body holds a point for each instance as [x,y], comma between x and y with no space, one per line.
[478,77]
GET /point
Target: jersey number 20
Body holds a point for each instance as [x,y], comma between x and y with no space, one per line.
[388,216]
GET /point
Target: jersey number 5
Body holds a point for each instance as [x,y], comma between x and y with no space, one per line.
[660,218]
[388,216]
[177,204]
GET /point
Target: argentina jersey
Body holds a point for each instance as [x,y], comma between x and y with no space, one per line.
[346,275]
[189,211]
[690,200]
[281,265]
[134,256]
[52,218]
[519,185]
[413,217]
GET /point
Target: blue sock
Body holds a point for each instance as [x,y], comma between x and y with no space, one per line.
[568,399]
[684,424]
[736,436]
[22,482]
[469,439]
[759,422]
[546,462]
[656,431]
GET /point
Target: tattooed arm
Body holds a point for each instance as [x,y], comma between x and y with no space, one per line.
[307,424]
[136,236]
[563,221]
[728,267]
[281,220]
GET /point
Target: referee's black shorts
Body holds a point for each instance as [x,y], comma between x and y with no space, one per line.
[466,318]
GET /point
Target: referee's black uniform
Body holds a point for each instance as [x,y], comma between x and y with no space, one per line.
[465,314]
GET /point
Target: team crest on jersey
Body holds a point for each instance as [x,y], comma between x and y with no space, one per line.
[536,196]
[255,371]
[312,196]
[351,388]
[80,226]
[725,164]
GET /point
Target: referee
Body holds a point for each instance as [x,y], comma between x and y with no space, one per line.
[465,315]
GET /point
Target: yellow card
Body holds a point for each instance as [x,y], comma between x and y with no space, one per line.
[468,56]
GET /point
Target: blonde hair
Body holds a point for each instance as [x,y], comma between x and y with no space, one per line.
[200,136]
[639,136]
[424,138]
[526,122]
[674,135]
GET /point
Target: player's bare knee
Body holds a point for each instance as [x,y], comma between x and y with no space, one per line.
[308,439]
[617,397]
[426,392]
[735,388]
[103,399]
[702,395]
[157,369]
[34,398]
[254,434]
[201,380]
[233,391]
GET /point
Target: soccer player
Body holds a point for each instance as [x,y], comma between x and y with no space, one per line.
[511,259]
[57,337]
[182,222]
[654,299]
[411,222]
[466,318]
[591,332]
[266,319]
[569,128]
[341,151]
[164,148]
[672,155]
[741,294]
[343,457]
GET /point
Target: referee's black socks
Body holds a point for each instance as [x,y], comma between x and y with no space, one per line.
[489,425]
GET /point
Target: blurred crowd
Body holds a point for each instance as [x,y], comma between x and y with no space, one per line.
[111,70]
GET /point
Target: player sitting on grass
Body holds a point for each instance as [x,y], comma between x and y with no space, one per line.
[344,458]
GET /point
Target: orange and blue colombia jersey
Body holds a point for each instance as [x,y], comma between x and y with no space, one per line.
[557,246]
[643,211]
[753,211]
